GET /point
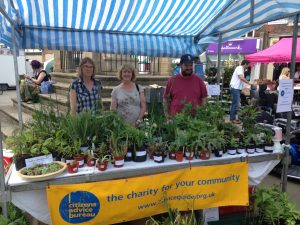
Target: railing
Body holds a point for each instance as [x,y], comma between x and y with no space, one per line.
[143,64]
[69,61]
[107,63]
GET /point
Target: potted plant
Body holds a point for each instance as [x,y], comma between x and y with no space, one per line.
[73,166]
[159,151]
[249,141]
[189,152]
[269,144]
[139,146]
[241,145]
[118,148]
[102,162]
[172,148]
[90,159]
[232,145]
[180,140]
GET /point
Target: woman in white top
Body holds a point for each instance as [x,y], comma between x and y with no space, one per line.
[128,98]
[285,73]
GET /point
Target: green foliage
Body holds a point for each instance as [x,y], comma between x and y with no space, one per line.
[176,218]
[275,207]
[15,216]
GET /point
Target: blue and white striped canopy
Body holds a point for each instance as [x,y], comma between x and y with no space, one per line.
[165,28]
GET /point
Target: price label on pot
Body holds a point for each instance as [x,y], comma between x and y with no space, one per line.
[44,159]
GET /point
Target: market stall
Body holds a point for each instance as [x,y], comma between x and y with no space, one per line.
[22,192]
[124,31]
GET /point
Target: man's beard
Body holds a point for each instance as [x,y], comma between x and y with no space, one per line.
[187,73]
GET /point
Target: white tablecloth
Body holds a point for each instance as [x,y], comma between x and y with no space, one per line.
[35,202]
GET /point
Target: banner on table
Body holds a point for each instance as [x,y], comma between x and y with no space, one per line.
[114,201]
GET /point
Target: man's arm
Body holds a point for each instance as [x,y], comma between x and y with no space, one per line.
[242,78]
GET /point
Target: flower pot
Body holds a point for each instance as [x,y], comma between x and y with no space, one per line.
[129,155]
[259,149]
[218,153]
[179,156]
[119,161]
[269,148]
[189,155]
[102,166]
[241,150]
[172,155]
[158,157]
[73,167]
[231,151]
[140,155]
[80,160]
[20,161]
[250,149]
[205,154]
[91,162]
[151,151]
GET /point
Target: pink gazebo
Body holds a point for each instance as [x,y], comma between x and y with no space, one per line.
[278,53]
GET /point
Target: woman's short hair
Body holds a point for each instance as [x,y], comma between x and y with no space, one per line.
[285,70]
[84,61]
[35,64]
[127,67]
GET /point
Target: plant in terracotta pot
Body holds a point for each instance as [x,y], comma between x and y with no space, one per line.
[73,166]
[90,159]
[118,148]
[181,138]
[172,148]
[102,162]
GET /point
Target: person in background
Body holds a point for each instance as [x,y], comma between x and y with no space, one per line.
[285,73]
[184,88]
[128,98]
[236,85]
[85,92]
[30,87]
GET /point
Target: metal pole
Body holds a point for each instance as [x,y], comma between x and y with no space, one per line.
[219,57]
[2,178]
[17,75]
[289,115]
[251,11]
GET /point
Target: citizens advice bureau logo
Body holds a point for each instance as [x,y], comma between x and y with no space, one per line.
[78,207]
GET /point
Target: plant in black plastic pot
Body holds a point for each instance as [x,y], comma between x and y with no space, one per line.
[139,147]
[268,139]
[249,141]
[232,145]
[159,151]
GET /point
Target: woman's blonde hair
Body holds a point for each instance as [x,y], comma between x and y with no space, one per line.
[84,61]
[127,67]
[285,71]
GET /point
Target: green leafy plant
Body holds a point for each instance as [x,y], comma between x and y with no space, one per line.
[274,207]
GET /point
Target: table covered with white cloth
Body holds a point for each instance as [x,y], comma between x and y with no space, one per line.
[31,196]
